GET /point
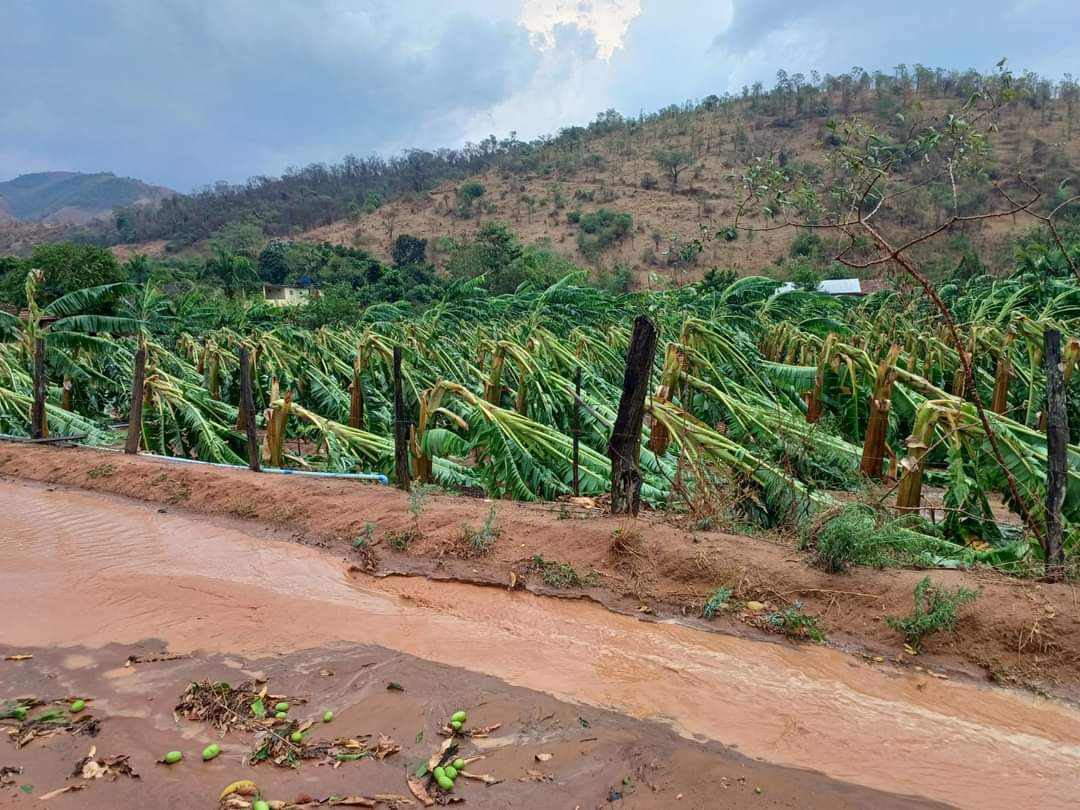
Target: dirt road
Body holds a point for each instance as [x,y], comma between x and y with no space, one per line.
[90,572]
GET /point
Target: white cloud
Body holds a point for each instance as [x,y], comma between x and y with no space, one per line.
[607,20]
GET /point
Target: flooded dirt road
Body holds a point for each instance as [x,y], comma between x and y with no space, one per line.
[87,570]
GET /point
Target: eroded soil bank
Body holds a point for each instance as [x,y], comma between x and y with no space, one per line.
[82,570]
[1017,632]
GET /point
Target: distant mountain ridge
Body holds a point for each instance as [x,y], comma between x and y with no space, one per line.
[73,198]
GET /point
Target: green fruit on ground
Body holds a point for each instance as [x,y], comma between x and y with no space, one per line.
[173,757]
[296,737]
[445,783]
[281,707]
[280,716]
[327,717]
[211,751]
[260,805]
[451,772]
[439,773]
[77,706]
[455,725]
[459,716]
[459,763]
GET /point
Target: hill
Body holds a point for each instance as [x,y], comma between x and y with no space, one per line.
[73,198]
[636,193]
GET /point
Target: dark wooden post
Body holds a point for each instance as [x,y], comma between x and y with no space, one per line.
[401,428]
[38,427]
[1057,448]
[134,428]
[577,431]
[247,409]
[624,447]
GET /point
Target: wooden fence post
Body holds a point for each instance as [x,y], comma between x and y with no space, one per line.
[38,427]
[624,447]
[577,431]
[138,383]
[401,428]
[247,409]
[1057,448]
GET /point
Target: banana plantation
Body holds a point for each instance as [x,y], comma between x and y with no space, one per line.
[766,409]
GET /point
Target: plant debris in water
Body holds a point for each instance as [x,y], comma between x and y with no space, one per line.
[225,706]
[26,725]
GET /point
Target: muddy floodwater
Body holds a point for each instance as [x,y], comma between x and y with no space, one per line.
[81,570]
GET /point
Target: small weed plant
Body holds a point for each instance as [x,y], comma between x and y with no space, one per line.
[482,540]
[418,495]
[934,611]
[561,575]
[794,622]
[363,540]
[716,603]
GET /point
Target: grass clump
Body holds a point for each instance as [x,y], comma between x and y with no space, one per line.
[716,603]
[855,536]
[560,575]
[482,540]
[794,622]
[934,611]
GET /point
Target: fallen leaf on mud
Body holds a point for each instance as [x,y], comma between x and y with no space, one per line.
[416,787]
[89,767]
[482,731]
[910,650]
[52,794]
[385,747]
[18,657]
[940,675]
[535,776]
[394,686]
[543,757]
[437,757]
[392,798]
[513,581]
[754,606]
[352,801]
[480,777]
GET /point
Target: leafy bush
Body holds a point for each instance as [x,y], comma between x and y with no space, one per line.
[934,611]
[855,536]
[717,602]
[793,622]
[471,191]
[602,228]
[649,181]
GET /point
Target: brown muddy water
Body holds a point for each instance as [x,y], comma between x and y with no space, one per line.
[87,570]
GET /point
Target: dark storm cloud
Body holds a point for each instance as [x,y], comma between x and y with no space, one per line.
[186,91]
[1034,34]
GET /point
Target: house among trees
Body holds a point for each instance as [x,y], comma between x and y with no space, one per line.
[283,295]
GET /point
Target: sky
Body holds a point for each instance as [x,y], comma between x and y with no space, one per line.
[185,93]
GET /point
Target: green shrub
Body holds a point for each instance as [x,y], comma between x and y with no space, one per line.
[794,622]
[934,611]
[601,229]
[717,602]
[854,536]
